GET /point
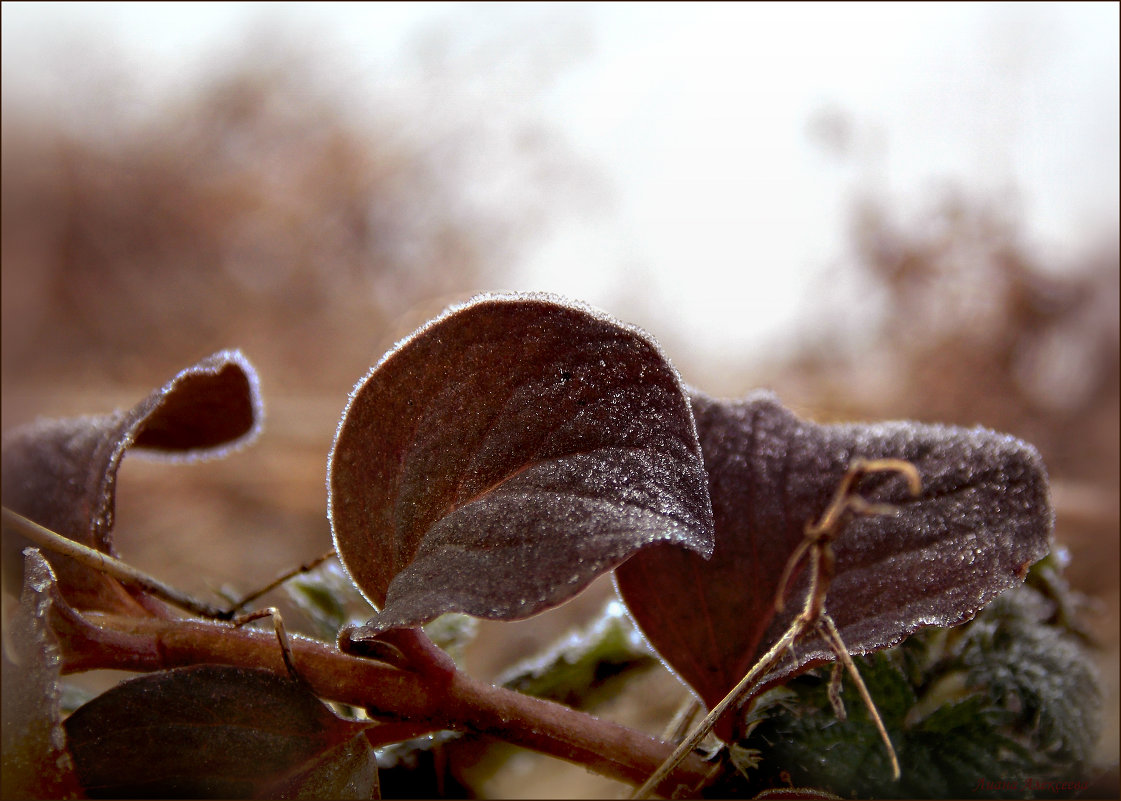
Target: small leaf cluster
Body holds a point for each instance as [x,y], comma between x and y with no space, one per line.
[1004,706]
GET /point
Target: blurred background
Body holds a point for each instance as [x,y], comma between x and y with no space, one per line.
[879,211]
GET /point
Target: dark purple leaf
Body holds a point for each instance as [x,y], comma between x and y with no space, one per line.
[213,731]
[506,454]
[982,519]
[35,761]
[349,770]
[62,473]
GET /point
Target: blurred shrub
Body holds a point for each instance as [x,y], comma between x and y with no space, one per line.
[270,208]
[989,330]
[977,326]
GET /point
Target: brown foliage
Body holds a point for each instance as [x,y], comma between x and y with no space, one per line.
[270,208]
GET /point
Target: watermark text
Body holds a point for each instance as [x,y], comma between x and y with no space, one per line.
[1026,785]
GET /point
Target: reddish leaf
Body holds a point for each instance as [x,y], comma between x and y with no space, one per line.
[213,731]
[983,518]
[505,455]
[62,473]
[35,761]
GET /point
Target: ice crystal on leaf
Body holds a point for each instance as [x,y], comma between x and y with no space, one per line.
[508,446]
[982,519]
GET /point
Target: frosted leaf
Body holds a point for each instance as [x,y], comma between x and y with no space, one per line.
[505,455]
[35,761]
[982,520]
[62,473]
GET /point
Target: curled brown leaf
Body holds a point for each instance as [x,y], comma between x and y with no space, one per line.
[62,473]
[505,455]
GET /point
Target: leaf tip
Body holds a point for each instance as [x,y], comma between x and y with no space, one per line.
[208,410]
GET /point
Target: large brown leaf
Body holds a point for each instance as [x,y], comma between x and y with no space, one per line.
[982,519]
[212,731]
[506,454]
[62,473]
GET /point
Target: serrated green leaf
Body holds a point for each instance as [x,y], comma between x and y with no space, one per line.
[1042,675]
[996,708]
[575,668]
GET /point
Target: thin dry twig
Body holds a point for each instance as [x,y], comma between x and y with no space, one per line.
[283,577]
[123,572]
[273,613]
[131,576]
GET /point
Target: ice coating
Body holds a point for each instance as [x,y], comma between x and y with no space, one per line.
[505,455]
[207,411]
[62,473]
[37,763]
[982,519]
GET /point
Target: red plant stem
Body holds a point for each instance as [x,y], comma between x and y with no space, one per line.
[602,746]
[443,701]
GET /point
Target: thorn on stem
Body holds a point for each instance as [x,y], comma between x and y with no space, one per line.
[281,637]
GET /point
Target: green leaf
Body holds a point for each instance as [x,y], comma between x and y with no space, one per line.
[998,707]
[1041,676]
[329,599]
[574,670]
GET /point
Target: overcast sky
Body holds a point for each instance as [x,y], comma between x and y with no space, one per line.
[720,206]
